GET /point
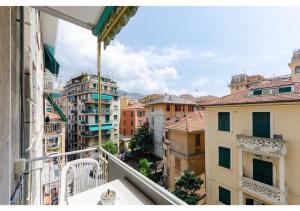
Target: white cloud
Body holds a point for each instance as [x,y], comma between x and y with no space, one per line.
[207,55]
[146,71]
[201,82]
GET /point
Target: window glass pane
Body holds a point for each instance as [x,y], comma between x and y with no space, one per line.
[285,89]
[257,92]
[263,171]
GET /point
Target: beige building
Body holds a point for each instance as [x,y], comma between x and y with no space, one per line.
[252,143]
[184,146]
[161,110]
[126,101]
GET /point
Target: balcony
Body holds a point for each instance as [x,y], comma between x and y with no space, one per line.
[111,168]
[89,134]
[269,193]
[262,145]
[52,128]
[74,111]
[106,111]
[90,111]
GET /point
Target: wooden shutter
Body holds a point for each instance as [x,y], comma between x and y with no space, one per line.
[224,157]
[261,124]
[224,121]
[263,171]
[224,196]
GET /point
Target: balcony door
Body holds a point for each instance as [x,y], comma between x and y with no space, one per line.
[263,171]
[261,124]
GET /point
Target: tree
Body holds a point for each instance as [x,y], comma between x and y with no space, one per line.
[110,147]
[186,187]
[144,167]
[142,140]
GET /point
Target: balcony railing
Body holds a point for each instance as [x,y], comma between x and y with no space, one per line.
[89,133]
[48,83]
[40,182]
[269,193]
[52,128]
[74,111]
[106,111]
[262,145]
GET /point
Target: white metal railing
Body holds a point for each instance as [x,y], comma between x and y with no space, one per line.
[43,176]
[263,145]
[268,192]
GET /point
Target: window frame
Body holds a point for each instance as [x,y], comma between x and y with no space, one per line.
[219,194]
[230,158]
[218,121]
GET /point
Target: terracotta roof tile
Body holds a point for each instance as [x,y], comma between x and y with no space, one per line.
[192,122]
[243,97]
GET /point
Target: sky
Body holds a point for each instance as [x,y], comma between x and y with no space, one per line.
[186,50]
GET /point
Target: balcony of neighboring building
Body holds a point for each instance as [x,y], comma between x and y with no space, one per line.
[262,177]
[52,128]
[53,145]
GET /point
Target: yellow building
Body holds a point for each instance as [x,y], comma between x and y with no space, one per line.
[252,143]
[184,146]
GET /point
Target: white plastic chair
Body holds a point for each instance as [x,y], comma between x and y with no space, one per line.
[78,176]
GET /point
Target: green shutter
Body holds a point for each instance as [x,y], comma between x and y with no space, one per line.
[257,92]
[263,171]
[224,121]
[261,124]
[285,89]
[224,157]
[224,196]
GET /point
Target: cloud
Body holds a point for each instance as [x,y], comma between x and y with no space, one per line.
[146,71]
[201,82]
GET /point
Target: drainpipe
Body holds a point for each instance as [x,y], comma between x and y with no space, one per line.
[99,90]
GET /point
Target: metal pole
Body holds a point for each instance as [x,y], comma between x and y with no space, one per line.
[99,90]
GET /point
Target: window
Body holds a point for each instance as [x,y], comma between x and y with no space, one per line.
[140,122]
[177,164]
[94,85]
[263,171]
[115,117]
[197,143]
[257,92]
[261,124]
[168,107]
[131,123]
[285,89]
[124,113]
[297,69]
[124,122]
[131,132]
[224,157]
[177,108]
[224,196]
[131,113]
[124,131]
[224,121]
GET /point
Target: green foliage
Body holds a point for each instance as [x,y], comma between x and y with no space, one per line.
[186,187]
[144,167]
[110,147]
[142,140]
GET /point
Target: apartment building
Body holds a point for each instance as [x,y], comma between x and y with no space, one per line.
[252,143]
[126,101]
[82,111]
[150,98]
[184,145]
[243,82]
[164,109]
[132,117]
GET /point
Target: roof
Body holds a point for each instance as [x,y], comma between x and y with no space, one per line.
[135,106]
[171,99]
[52,116]
[192,122]
[206,98]
[243,97]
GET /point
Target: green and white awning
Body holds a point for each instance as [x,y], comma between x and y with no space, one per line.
[50,62]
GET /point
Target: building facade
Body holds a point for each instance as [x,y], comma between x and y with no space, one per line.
[252,143]
[164,109]
[243,82]
[82,111]
[132,117]
[184,145]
